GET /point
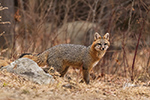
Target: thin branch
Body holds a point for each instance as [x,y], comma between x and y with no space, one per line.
[24,21]
[130,17]
[2,33]
[147,64]
[126,65]
[141,30]
[94,10]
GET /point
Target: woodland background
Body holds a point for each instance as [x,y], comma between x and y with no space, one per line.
[36,25]
[32,26]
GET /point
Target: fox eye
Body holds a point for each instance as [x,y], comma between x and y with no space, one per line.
[99,44]
[105,43]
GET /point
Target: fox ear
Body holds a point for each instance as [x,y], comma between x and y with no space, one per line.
[106,36]
[97,36]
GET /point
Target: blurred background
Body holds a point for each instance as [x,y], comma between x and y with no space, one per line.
[35,25]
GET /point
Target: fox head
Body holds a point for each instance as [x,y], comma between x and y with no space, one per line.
[101,43]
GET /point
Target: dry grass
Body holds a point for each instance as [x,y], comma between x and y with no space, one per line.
[14,87]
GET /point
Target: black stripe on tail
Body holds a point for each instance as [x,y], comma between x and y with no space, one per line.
[25,54]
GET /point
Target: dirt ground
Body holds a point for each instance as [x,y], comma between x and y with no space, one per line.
[14,87]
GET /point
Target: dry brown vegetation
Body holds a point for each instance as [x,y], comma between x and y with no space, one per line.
[41,24]
[14,87]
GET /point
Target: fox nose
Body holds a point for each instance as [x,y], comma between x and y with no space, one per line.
[102,48]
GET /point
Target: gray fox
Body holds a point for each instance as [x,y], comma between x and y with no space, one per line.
[78,56]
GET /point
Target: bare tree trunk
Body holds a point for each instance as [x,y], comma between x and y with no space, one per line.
[7,16]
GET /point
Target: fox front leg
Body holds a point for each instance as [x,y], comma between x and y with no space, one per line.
[86,75]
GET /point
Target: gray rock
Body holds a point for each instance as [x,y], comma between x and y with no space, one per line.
[30,70]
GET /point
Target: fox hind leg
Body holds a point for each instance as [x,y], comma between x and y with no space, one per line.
[64,71]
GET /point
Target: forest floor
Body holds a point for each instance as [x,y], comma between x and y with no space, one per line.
[14,87]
